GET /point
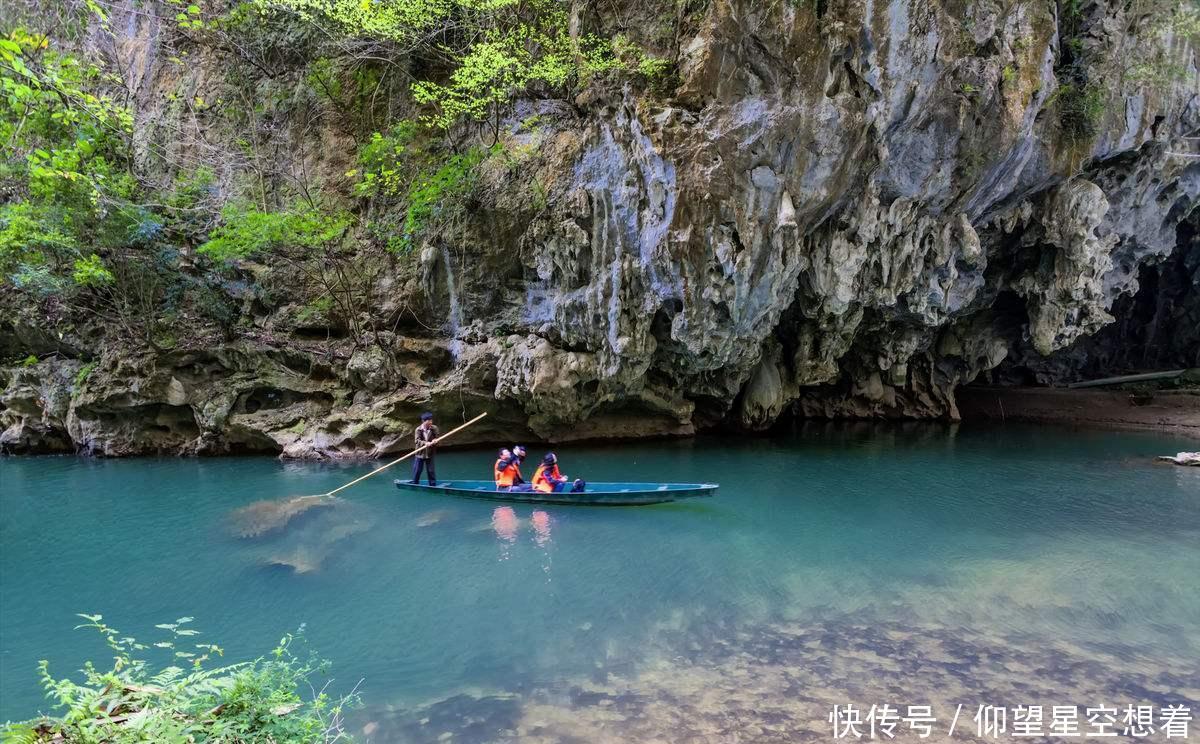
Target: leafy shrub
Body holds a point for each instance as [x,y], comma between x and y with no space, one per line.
[82,375]
[255,701]
[497,49]
[62,167]
[387,160]
[315,311]
[434,192]
[33,236]
[90,272]
[428,185]
[1080,107]
[248,231]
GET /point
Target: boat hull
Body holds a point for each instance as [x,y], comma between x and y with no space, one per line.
[596,494]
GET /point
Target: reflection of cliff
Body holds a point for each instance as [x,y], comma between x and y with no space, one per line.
[844,213]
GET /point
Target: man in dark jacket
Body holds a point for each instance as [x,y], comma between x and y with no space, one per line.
[424,434]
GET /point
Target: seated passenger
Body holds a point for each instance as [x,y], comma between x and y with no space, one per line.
[519,454]
[547,479]
[507,471]
[519,484]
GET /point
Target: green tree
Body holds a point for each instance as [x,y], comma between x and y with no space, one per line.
[64,170]
[496,50]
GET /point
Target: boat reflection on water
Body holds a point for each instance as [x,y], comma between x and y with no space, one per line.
[505,523]
[507,526]
[541,538]
[541,528]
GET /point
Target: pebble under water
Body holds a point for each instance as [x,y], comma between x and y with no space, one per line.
[839,564]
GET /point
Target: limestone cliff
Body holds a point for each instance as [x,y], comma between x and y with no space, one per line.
[839,210]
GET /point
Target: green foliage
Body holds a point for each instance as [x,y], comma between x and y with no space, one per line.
[64,169]
[316,311]
[654,67]
[541,197]
[34,240]
[1080,108]
[29,361]
[496,49]
[90,272]
[529,48]
[323,76]
[82,375]
[387,161]
[187,15]
[630,56]
[248,231]
[184,701]
[398,165]
[433,193]
[395,20]
[1078,101]
[1158,64]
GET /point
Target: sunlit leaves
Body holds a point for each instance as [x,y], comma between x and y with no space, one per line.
[247,231]
[62,167]
[271,698]
[431,192]
[393,20]
[499,49]
[90,272]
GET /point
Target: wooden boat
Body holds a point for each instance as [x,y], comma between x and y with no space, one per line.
[596,494]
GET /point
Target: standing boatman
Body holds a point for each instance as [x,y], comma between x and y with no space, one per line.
[424,434]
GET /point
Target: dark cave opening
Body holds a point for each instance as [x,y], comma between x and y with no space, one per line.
[1156,328]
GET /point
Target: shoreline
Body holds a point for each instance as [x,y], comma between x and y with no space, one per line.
[1165,412]
[1169,412]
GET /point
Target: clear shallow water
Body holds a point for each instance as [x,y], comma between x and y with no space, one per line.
[848,564]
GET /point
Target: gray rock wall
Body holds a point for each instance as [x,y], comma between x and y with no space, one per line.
[840,213]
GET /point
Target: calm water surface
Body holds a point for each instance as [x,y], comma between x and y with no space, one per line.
[909,565]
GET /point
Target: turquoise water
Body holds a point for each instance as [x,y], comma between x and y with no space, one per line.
[839,564]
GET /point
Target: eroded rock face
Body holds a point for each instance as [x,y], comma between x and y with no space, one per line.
[825,218]
[836,214]
[34,405]
[1157,328]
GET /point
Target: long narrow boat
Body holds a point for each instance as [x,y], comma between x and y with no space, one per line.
[596,494]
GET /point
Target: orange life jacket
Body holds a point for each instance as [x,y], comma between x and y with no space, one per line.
[545,478]
[506,475]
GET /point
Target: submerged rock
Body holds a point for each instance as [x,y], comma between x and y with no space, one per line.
[779,682]
[305,545]
[437,516]
[271,515]
[308,553]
